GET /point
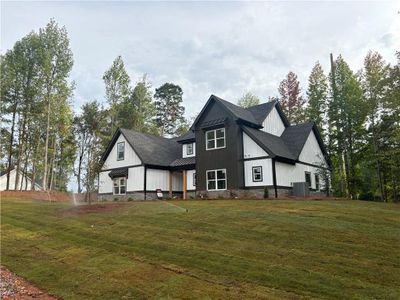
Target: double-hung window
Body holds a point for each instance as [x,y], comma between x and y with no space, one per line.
[308,178]
[215,139]
[119,186]
[189,149]
[216,180]
[257,174]
[317,182]
[121,151]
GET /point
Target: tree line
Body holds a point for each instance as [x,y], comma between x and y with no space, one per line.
[40,134]
[358,115]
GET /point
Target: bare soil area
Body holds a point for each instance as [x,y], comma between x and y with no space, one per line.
[92,208]
[14,287]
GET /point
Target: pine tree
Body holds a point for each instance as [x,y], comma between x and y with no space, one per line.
[317,94]
[290,99]
[168,101]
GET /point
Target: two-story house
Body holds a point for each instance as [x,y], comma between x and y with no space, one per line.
[229,151]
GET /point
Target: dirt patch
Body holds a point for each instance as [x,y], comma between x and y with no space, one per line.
[92,208]
[14,287]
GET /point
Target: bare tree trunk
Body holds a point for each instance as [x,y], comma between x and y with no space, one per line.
[34,160]
[10,148]
[52,163]
[46,147]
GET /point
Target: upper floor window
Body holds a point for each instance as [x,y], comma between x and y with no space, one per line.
[119,186]
[121,151]
[308,178]
[216,180]
[257,174]
[215,139]
[189,149]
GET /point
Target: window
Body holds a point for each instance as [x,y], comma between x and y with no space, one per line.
[194,179]
[215,139]
[121,151]
[308,178]
[189,149]
[216,180]
[257,174]
[119,186]
[317,182]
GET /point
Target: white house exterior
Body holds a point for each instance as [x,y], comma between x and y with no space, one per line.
[229,151]
[24,183]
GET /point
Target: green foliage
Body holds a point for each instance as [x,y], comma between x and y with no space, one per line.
[317,95]
[168,102]
[248,100]
[266,193]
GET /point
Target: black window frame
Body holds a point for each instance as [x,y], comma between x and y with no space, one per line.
[305,178]
[253,175]
[317,183]
[194,179]
[123,152]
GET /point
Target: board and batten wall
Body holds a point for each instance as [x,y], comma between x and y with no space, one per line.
[251,149]
[130,159]
[273,123]
[159,179]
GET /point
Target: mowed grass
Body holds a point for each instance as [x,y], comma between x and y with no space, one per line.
[216,250]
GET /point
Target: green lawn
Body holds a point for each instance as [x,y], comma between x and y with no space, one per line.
[216,250]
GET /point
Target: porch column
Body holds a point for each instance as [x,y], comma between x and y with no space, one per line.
[170,184]
[184,185]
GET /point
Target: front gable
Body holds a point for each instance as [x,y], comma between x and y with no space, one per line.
[251,149]
[130,157]
[273,123]
[312,152]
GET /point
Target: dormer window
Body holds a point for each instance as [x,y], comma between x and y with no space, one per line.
[189,149]
[121,151]
[215,139]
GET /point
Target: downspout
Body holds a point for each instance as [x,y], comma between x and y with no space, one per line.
[145,181]
[274,177]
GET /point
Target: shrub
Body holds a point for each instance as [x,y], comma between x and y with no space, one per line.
[130,199]
[266,193]
[115,199]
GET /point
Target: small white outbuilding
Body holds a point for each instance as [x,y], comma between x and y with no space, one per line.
[24,182]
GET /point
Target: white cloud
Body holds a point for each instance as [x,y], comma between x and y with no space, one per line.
[209,48]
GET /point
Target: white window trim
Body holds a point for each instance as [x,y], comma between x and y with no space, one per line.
[187,149]
[119,185]
[215,139]
[216,180]
[261,173]
[123,158]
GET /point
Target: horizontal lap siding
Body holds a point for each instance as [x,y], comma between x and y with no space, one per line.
[266,165]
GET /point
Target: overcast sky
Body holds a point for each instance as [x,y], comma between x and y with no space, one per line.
[208,48]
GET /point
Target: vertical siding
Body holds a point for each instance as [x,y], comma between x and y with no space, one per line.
[273,123]
[286,174]
[177,181]
[131,158]
[105,183]
[311,152]
[266,165]
[135,181]
[251,149]
[157,179]
[184,150]
[189,176]
[3,182]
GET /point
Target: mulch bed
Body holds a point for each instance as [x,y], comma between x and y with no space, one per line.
[14,287]
[92,208]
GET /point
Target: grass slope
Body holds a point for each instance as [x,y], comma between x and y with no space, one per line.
[218,249]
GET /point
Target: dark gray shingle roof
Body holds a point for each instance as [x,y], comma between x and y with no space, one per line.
[188,136]
[153,150]
[274,145]
[187,161]
[261,111]
[296,136]
[237,111]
